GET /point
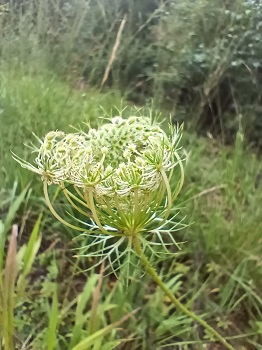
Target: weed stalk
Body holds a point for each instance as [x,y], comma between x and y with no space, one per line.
[152,272]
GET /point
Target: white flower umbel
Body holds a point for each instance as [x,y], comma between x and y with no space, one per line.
[123,177]
[121,173]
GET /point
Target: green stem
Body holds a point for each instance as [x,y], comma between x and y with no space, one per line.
[90,200]
[75,197]
[67,195]
[182,176]
[169,193]
[152,272]
[58,217]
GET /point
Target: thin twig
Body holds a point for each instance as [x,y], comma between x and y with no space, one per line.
[114,50]
[208,191]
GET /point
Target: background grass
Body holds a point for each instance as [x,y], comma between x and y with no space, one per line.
[193,59]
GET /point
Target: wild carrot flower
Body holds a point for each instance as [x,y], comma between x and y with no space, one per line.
[123,177]
[122,173]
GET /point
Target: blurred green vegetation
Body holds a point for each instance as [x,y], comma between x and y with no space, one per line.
[199,61]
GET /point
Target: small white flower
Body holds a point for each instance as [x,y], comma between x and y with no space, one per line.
[92,133]
[117,120]
[132,148]
[89,149]
[127,154]
[104,150]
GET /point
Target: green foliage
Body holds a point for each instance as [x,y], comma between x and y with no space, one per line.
[209,59]
[202,62]
[200,59]
[223,240]
[38,102]
[14,204]
[18,310]
[217,273]
[16,265]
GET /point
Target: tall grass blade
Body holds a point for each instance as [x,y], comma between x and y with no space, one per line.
[29,255]
[80,317]
[7,223]
[90,340]
[8,291]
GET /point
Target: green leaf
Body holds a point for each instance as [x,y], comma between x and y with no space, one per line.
[14,208]
[30,254]
[7,223]
[91,340]
[8,291]
[80,316]
[111,345]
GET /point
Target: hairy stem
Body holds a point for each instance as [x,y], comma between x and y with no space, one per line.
[152,272]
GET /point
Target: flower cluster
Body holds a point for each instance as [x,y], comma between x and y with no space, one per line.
[120,171]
